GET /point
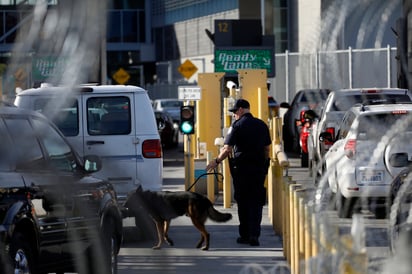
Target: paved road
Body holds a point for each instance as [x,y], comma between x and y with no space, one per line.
[224,255]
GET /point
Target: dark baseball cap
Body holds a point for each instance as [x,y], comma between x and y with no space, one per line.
[240,103]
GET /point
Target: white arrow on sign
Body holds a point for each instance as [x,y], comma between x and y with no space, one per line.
[190,93]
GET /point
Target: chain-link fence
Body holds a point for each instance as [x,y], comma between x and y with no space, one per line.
[351,68]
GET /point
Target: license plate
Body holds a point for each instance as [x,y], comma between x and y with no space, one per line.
[367,177]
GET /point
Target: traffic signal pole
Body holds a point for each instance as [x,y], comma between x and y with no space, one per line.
[187,127]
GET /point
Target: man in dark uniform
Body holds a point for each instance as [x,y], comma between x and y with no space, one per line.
[248,141]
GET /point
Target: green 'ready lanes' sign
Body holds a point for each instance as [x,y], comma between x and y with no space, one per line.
[229,60]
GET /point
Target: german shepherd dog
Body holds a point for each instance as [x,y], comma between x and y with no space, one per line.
[163,206]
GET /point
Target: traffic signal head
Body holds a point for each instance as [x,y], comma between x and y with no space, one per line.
[187,120]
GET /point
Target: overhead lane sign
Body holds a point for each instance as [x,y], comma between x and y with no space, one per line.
[229,60]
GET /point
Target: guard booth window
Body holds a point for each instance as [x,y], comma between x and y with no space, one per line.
[108,115]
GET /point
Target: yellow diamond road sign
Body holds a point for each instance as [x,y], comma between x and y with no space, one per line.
[121,76]
[187,69]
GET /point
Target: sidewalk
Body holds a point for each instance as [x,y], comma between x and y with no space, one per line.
[224,255]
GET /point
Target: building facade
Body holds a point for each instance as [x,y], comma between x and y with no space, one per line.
[150,39]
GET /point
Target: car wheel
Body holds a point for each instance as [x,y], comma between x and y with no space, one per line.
[101,257]
[21,254]
[175,141]
[310,167]
[344,206]
[304,161]
[399,215]
[295,144]
[287,140]
[380,212]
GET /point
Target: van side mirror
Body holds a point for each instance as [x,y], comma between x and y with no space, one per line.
[399,160]
[326,136]
[92,163]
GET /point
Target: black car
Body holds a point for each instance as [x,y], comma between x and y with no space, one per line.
[303,100]
[54,216]
[168,129]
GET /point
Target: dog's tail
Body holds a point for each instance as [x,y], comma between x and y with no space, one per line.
[217,216]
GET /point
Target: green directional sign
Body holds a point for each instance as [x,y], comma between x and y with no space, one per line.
[229,60]
[44,67]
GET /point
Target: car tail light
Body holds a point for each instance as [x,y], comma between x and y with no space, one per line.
[302,117]
[400,112]
[304,134]
[152,148]
[331,130]
[350,148]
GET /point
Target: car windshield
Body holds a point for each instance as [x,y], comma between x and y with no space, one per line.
[346,102]
[172,104]
[314,96]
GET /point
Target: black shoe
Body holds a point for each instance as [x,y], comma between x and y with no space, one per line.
[242,240]
[254,241]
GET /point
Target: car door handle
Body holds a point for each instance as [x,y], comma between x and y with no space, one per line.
[95,142]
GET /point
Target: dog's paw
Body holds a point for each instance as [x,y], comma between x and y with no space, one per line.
[156,247]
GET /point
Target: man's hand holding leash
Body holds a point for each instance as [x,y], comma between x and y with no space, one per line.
[224,152]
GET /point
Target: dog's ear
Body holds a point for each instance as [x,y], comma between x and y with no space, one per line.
[139,189]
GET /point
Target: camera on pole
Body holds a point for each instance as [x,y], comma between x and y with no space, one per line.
[187,120]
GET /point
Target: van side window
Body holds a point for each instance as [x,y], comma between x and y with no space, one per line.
[108,115]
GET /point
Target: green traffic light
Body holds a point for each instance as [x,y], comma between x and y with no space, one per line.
[187,119]
[186,127]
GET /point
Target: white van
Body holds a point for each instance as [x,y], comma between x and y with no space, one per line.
[116,122]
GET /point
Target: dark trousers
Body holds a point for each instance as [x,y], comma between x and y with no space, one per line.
[250,196]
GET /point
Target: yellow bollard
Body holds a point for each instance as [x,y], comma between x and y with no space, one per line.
[354,262]
[278,210]
[293,227]
[227,180]
[314,236]
[302,223]
[270,193]
[210,180]
[308,234]
[286,219]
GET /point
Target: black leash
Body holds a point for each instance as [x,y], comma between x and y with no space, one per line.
[206,174]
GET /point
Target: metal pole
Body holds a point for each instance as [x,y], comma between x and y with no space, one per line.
[287,74]
[189,179]
[350,67]
[317,69]
[388,68]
